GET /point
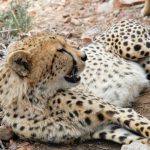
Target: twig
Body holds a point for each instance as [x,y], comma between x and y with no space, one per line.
[16,21]
[2,146]
[8,30]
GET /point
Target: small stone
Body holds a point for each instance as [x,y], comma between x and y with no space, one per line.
[75,22]
[66,15]
[86,39]
[67,20]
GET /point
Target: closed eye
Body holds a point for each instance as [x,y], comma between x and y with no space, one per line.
[61,50]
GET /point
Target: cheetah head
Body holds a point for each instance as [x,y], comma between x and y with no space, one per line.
[46,62]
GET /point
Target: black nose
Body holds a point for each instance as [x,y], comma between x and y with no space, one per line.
[84,57]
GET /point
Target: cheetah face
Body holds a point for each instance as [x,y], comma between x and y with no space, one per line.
[46,61]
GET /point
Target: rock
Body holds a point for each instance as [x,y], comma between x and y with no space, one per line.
[146,10]
[75,22]
[135,146]
[129,2]
[105,7]
[67,20]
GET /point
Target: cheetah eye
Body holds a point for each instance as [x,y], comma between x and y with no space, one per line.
[61,50]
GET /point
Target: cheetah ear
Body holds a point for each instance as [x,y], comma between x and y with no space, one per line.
[20,62]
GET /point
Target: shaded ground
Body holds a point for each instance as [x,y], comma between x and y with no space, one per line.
[79,21]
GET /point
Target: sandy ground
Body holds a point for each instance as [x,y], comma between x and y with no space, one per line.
[79,21]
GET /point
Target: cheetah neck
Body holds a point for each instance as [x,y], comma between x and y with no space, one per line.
[14,89]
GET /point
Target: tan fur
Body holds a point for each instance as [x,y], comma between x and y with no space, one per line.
[38,104]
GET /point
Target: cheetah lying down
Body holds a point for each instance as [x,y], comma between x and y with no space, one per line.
[41,100]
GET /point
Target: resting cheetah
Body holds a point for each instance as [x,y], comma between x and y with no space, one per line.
[130,40]
[41,101]
[111,77]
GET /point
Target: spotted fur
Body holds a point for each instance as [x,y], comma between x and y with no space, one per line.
[42,102]
[112,70]
[130,40]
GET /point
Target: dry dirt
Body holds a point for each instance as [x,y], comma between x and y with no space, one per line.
[79,21]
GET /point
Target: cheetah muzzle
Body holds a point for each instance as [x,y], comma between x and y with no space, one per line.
[73,76]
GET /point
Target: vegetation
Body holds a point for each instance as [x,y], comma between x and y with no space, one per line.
[15,20]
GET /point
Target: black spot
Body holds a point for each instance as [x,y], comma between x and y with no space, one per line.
[116,47]
[122,138]
[133,57]
[101,106]
[137,47]
[112,36]
[125,43]
[146,54]
[115,127]
[143,123]
[100,117]
[147,134]
[110,113]
[33,135]
[88,121]
[110,76]
[129,30]
[148,44]
[138,32]
[22,128]
[71,115]
[129,110]
[15,116]
[88,111]
[68,102]
[31,128]
[60,127]
[79,103]
[76,113]
[143,65]
[116,40]
[43,128]
[127,122]
[142,128]
[130,116]
[90,102]
[8,114]
[148,76]
[50,108]
[140,40]
[125,37]
[102,135]
[120,51]
[142,52]
[73,97]
[36,121]
[21,117]
[108,39]
[58,101]
[14,125]
[128,55]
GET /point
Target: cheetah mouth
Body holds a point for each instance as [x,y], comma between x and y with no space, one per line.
[73,76]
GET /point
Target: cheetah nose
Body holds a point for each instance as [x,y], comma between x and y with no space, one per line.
[84,57]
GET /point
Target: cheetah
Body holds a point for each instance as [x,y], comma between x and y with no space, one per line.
[112,70]
[42,100]
[130,40]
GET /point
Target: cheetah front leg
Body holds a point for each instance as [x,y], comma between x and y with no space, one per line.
[72,115]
